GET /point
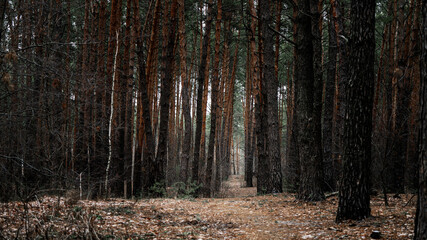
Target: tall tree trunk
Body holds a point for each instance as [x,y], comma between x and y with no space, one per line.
[328,164]
[222,135]
[145,129]
[204,110]
[166,89]
[214,109]
[98,141]
[114,26]
[271,84]
[309,143]
[278,8]
[248,122]
[316,8]
[85,73]
[353,196]
[251,80]
[200,90]
[411,173]
[135,167]
[229,117]
[126,101]
[113,108]
[340,86]
[292,172]
[421,216]
[66,98]
[113,74]
[3,6]
[186,88]
[263,164]
[151,68]
[401,98]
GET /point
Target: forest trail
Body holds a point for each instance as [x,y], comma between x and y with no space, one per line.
[277,216]
[235,187]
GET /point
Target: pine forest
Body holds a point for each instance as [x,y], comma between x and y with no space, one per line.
[214,119]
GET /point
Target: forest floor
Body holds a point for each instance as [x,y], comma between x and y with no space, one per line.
[277,216]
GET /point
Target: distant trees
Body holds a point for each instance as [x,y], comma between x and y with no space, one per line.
[396,98]
[129,98]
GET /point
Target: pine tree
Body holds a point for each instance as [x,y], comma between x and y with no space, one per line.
[421,217]
[355,186]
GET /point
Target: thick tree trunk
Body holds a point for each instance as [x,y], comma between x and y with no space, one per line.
[309,143]
[355,183]
[271,85]
[316,7]
[223,98]
[421,217]
[263,174]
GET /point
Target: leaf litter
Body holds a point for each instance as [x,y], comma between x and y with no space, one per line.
[277,216]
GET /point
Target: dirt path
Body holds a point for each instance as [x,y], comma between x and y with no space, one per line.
[235,187]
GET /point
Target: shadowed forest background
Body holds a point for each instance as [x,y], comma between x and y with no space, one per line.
[137,99]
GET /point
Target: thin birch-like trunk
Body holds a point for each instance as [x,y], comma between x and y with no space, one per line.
[110,123]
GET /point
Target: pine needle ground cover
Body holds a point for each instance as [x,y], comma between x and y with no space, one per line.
[260,217]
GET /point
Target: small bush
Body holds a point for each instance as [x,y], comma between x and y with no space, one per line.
[186,190]
[158,189]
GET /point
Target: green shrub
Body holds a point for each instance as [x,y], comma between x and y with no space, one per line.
[158,189]
[186,190]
